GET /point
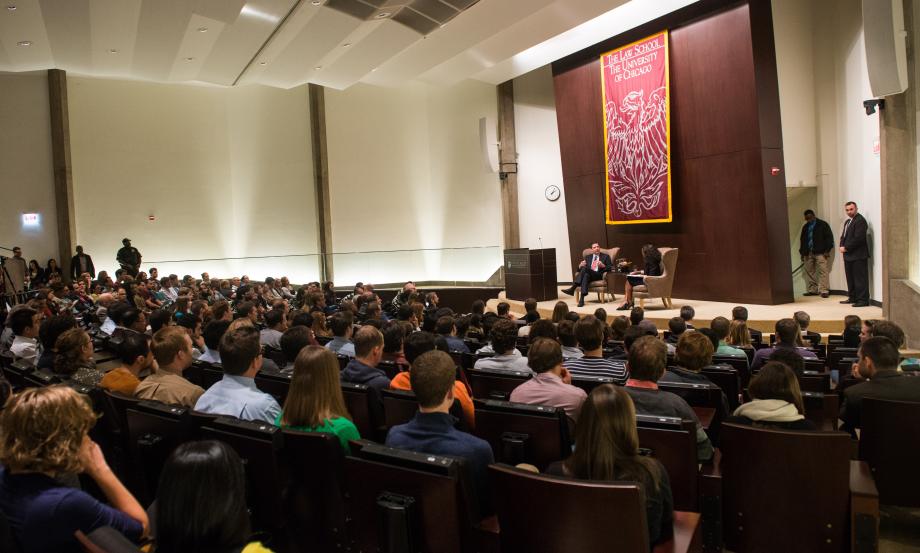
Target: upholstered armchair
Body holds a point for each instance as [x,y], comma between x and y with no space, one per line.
[659,286]
[600,286]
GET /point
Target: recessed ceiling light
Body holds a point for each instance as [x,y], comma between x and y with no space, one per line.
[11,8]
[24,43]
[113,51]
[316,2]
[346,45]
[202,29]
[263,62]
[318,67]
[374,69]
[381,15]
[189,59]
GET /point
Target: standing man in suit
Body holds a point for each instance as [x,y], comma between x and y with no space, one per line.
[854,246]
[815,246]
[81,263]
[593,267]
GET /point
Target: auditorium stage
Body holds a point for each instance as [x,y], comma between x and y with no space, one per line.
[826,314]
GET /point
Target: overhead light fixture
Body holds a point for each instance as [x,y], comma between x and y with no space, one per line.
[263,62]
[255,13]
[113,51]
[202,29]
[318,67]
[346,45]
[24,43]
[374,69]
[382,15]
[189,59]
[11,8]
[316,2]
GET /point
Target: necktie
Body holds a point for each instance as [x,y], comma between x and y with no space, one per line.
[594,263]
[846,227]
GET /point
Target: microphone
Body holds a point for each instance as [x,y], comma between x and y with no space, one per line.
[541,241]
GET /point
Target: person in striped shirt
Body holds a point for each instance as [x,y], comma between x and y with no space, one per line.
[589,331]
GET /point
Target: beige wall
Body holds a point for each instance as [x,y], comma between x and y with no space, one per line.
[406,180]
[226,172]
[825,129]
[544,224]
[26,174]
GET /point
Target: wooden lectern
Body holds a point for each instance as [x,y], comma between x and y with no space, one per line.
[530,274]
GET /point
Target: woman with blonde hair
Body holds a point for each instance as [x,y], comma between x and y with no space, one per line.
[44,437]
[607,449]
[319,327]
[738,335]
[74,357]
[314,402]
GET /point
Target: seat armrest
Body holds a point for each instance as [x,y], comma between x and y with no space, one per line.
[687,537]
[864,509]
[712,468]
[488,533]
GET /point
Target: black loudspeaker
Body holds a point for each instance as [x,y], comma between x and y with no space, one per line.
[886,46]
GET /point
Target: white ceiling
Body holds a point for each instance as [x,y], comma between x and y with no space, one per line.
[286,43]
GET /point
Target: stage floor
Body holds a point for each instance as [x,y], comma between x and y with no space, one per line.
[826,314]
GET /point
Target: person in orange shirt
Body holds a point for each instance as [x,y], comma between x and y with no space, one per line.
[134,352]
[415,345]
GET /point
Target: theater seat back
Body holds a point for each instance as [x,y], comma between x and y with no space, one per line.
[488,384]
[405,501]
[887,429]
[522,433]
[316,499]
[785,491]
[154,431]
[673,442]
[546,514]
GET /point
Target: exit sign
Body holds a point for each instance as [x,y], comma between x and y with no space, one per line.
[30,219]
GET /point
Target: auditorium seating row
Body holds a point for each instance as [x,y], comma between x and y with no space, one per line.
[304,490]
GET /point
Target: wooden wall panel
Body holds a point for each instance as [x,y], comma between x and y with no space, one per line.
[730,219]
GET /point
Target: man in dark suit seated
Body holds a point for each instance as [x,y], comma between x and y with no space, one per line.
[592,268]
[878,364]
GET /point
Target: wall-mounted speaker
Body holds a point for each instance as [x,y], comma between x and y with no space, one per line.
[488,144]
[886,46]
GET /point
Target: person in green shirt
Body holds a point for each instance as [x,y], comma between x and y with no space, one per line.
[720,326]
[314,402]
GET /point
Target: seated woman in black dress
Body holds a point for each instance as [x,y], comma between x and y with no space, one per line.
[652,259]
[607,448]
[776,401]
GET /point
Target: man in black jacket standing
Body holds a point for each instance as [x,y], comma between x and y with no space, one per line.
[815,246]
[854,246]
[81,263]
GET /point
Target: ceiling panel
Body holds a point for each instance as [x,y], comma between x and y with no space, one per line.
[67,23]
[293,64]
[238,43]
[25,23]
[482,21]
[113,26]
[528,31]
[286,43]
[363,56]
[160,31]
[201,34]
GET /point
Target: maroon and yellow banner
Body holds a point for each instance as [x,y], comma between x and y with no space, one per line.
[637,132]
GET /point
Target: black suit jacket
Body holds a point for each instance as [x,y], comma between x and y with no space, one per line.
[604,258]
[884,385]
[822,238]
[75,267]
[855,240]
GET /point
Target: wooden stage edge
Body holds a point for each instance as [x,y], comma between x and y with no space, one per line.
[826,314]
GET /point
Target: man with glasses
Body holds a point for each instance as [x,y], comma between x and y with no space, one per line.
[14,275]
